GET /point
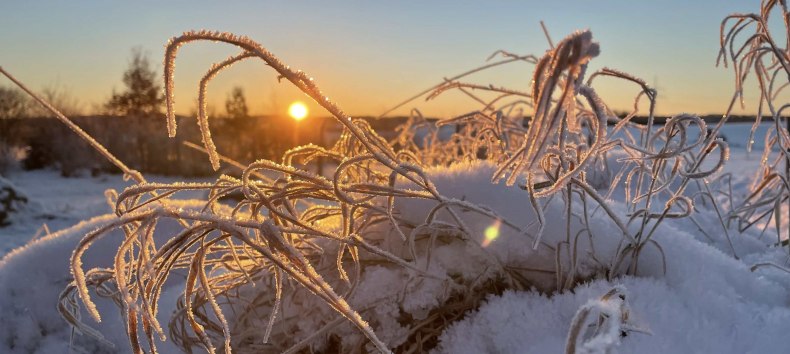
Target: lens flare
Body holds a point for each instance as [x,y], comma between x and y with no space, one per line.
[491,233]
[297,110]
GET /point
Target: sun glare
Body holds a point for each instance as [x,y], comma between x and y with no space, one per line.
[297,110]
[491,233]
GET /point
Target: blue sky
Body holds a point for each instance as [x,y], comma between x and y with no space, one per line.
[369,55]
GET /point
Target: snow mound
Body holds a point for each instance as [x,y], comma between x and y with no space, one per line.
[695,297]
[706,302]
[32,278]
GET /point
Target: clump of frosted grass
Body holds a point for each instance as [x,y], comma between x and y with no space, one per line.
[751,48]
[300,247]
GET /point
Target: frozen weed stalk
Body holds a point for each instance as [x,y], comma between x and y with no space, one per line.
[379,256]
[761,55]
[611,325]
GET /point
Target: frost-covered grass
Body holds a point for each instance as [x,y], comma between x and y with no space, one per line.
[707,301]
[752,46]
[544,222]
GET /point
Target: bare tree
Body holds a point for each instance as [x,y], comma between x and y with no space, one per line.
[13,103]
[60,97]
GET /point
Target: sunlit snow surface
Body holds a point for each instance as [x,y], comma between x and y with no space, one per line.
[707,302]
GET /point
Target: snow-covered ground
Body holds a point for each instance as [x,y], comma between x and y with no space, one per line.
[59,202]
[707,301]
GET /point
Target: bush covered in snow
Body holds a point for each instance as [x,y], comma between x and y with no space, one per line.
[12,200]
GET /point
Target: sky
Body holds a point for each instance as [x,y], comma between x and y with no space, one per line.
[370,55]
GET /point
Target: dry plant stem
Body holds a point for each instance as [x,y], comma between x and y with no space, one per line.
[546,33]
[721,219]
[759,54]
[769,264]
[612,322]
[511,59]
[579,319]
[708,144]
[227,160]
[602,203]
[646,133]
[202,104]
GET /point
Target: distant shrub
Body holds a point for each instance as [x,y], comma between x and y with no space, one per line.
[12,200]
[13,103]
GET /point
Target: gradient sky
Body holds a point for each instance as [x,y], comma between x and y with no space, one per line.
[367,56]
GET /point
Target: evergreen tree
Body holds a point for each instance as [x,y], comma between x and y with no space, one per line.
[142,97]
[236,104]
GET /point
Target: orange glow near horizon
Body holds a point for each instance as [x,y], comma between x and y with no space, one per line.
[297,110]
[371,76]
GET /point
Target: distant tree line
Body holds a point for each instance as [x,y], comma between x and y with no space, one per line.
[142,142]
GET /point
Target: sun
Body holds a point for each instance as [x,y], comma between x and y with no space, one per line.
[297,110]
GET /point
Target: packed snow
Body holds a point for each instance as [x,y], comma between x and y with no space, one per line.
[698,297]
